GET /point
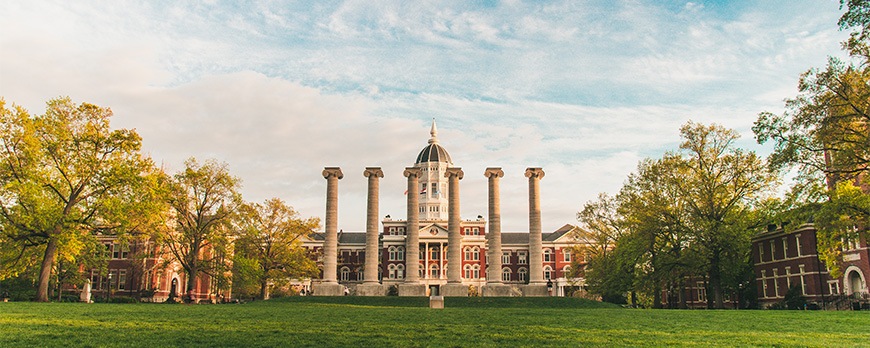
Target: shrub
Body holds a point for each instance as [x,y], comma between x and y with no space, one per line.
[393,290]
[794,298]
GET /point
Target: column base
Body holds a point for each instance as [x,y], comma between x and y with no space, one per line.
[371,289]
[436,302]
[412,290]
[497,290]
[327,289]
[535,290]
[454,290]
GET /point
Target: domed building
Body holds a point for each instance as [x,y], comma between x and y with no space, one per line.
[513,262]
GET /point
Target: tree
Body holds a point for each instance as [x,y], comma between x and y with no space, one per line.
[204,199]
[721,188]
[604,272]
[825,134]
[65,176]
[271,242]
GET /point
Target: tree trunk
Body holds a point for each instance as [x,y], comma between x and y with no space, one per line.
[264,289]
[45,271]
[715,283]
[191,284]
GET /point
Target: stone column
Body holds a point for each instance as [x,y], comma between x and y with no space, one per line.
[329,285]
[370,285]
[536,259]
[412,285]
[494,285]
[454,286]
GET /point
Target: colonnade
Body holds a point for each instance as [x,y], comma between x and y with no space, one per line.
[412,286]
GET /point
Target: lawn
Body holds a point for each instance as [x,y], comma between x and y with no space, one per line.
[404,322]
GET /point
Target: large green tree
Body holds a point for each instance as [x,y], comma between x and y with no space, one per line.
[66,176]
[204,199]
[824,134]
[270,244]
[722,187]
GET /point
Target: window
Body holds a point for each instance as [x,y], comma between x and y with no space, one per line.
[566,254]
[434,190]
[548,255]
[392,271]
[834,287]
[401,230]
[392,231]
[505,274]
[521,258]
[422,254]
[95,281]
[760,252]
[764,283]
[702,292]
[467,270]
[787,277]
[522,275]
[119,251]
[433,271]
[548,273]
[400,253]
[506,258]
[475,231]
[797,242]
[466,231]
[772,250]
[566,271]
[400,271]
[803,283]
[475,254]
[467,253]
[775,282]
[392,253]
[122,279]
[475,271]
[359,274]
[784,247]
[345,274]
[434,252]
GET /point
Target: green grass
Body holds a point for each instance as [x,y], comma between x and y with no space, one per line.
[404,322]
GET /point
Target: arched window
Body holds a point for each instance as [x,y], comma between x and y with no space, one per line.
[548,255]
[434,253]
[475,253]
[433,271]
[392,251]
[400,271]
[359,274]
[420,269]
[566,271]
[392,271]
[400,253]
[345,274]
[467,251]
[467,270]
[548,273]
[522,275]
[506,274]
[475,271]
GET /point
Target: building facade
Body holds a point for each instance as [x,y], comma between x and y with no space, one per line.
[433,251]
[785,259]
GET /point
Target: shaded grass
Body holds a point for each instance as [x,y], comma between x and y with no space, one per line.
[404,322]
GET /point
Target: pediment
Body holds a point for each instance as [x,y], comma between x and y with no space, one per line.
[433,231]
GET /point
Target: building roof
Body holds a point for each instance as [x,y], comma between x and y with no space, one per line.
[433,152]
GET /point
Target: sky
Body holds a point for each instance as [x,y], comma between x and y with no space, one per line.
[279,90]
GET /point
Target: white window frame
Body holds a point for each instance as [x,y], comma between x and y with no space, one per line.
[506,258]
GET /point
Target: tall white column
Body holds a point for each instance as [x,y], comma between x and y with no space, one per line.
[330,245]
[370,269]
[454,238]
[493,236]
[536,259]
[412,240]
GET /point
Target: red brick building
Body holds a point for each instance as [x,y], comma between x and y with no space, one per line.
[784,259]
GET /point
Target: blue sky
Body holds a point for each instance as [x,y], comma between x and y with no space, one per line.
[279,90]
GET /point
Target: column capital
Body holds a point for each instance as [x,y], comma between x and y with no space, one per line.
[454,171]
[412,171]
[493,172]
[534,173]
[332,171]
[373,171]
